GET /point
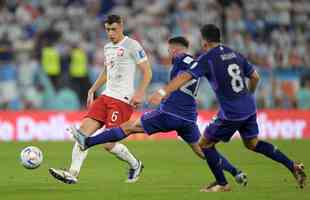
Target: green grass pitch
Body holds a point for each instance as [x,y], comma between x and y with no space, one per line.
[171,172]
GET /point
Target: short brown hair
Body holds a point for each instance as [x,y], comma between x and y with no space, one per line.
[110,19]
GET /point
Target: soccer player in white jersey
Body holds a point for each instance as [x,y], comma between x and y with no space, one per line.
[115,106]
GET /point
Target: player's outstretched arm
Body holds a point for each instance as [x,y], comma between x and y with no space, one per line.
[102,79]
[254,79]
[172,86]
[146,71]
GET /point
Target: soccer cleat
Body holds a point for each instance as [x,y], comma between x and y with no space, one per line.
[79,137]
[63,176]
[134,174]
[215,187]
[299,174]
[241,178]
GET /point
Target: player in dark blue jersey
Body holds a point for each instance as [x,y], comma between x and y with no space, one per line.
[227,71]
[177,112]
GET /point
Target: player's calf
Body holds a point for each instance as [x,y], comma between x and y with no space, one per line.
[275,154]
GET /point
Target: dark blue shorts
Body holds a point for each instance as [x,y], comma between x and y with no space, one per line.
[158,121]
[223,130]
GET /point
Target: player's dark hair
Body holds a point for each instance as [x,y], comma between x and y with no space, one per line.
[110,19]
[211,33]
[179,40]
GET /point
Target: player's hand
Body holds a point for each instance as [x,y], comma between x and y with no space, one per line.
[90,97]
[137,99]
[155,98]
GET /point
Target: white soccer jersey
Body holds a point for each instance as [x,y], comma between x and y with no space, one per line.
[121,60]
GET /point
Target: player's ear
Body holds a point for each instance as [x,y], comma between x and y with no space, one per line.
[205,45]
[121,24]
[173,51]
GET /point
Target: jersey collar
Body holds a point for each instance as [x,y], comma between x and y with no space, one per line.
[179,55]
[219,45]
[122,41]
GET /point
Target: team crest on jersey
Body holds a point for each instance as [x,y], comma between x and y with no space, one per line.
[188,60]
[120,51]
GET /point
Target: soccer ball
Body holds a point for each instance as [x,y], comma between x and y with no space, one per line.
[31,157]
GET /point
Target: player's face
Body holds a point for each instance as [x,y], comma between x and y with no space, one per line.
[170,50]
[114,31]
[173,49]
[204,45]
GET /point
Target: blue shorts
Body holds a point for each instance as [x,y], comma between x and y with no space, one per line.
[158,121]
[223,130]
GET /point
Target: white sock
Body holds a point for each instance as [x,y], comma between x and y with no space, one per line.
[78,158]
[122,152]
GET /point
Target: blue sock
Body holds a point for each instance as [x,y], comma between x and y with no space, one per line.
[214,161]
[275,154]
[227,166]
[108,135]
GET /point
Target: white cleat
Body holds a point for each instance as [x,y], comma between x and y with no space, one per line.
[134,174]
[63,176]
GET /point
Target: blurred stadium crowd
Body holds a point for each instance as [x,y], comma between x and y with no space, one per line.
[51,50]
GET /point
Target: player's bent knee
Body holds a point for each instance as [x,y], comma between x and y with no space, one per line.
[89,126]
[251,147]
[197,150]
[205,143]
[108,146]
[127,127]
[250,144]
[132,127]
